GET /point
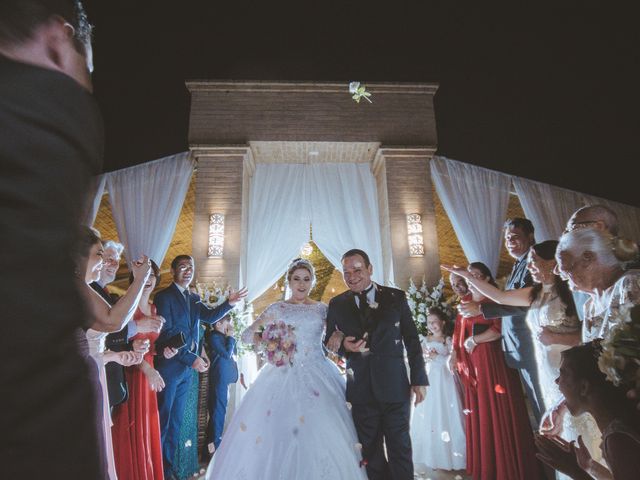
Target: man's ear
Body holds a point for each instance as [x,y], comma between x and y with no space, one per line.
[57,35]
[370,269]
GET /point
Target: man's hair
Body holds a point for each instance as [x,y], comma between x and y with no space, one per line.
[523,224]
[357,251]
[178,259]
[602,213]
[20,18]
[118,247]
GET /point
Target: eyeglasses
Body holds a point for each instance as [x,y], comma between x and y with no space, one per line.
[578,225]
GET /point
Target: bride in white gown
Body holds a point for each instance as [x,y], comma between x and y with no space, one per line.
[294,422]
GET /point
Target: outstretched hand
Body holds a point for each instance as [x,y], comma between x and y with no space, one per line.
[457,270]
[235,297]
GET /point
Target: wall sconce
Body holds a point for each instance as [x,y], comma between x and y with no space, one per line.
[414,234]
[216,235]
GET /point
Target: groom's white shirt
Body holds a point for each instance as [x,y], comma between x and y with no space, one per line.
[371,295]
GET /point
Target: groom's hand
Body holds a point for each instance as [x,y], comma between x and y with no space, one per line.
[420,391]
[355,346]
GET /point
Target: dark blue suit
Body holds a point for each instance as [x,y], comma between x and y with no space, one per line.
[223,372]
[176,371]
[378,385]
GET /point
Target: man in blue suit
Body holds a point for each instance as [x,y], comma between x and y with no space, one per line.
[517,341]
[221,347]
[183,311]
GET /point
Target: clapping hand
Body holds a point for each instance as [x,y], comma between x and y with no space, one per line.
[235,297]
[551,423]
[126,359]
[141,345]
[150,324]
[559,455]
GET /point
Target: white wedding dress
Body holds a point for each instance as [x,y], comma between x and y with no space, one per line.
[437,424]
[294,422]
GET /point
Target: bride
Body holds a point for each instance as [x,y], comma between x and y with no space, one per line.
[294,421]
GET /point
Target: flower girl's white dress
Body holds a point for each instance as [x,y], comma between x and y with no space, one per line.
[294,422]
[437,424]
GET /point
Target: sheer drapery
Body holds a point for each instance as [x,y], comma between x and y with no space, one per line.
[628,216]
[146,201]
[344,210]
[279,218]
[339,200]
[476,201]
[547,207]
[93,199]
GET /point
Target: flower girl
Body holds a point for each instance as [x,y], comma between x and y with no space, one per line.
[437,424]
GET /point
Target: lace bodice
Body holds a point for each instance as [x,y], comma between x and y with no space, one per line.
[602,311]
[308,322]
[548,310]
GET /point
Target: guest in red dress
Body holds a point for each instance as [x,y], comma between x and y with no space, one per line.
[500,442]
[136,426]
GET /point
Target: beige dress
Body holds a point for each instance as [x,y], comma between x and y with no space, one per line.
[96,350]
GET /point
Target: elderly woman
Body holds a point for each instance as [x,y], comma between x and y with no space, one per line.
[593,261]
[586,389]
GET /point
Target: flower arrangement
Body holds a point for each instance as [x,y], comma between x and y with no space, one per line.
[358,92]
[620,357]
[212,295]
[421,299]
[278,343]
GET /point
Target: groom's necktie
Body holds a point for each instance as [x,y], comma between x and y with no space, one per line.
[363,306]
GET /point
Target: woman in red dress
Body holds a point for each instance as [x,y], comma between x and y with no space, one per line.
[136,427]
[499,438]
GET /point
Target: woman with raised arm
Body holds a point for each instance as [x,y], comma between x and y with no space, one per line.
[103,318]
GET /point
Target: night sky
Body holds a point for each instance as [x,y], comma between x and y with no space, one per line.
[548,93]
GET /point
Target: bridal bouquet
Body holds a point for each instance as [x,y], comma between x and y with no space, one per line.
[421,299]
[620,357]
[278,343]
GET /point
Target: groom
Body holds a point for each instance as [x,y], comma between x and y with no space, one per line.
[371,325]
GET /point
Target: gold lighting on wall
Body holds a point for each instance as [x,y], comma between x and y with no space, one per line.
[414,234]
[216,235]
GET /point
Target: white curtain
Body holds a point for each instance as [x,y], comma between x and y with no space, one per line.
[548,207]
[476,201]
[344,210]
[339,200]
[93,199]
[628,216]
[146,201]
[278,225]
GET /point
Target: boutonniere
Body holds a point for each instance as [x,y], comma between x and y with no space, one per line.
[374,305]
